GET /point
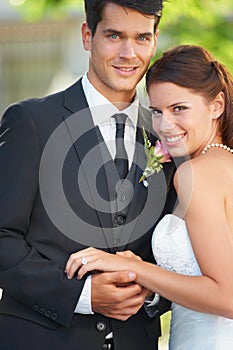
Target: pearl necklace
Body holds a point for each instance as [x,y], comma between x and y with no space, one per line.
[218,145]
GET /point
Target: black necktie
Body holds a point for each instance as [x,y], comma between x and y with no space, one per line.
[121,159]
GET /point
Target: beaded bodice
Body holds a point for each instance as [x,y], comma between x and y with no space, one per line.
[172,248]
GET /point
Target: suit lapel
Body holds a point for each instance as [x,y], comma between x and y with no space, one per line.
[92,153]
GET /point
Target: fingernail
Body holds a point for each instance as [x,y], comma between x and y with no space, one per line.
[132,275]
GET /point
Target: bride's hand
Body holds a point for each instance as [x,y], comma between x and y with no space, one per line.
[91,259]
[129,254]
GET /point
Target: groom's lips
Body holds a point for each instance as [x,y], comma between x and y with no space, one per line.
[125,70]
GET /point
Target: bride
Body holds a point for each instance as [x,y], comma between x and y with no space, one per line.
[191,100]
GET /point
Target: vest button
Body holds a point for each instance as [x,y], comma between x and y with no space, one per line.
[123,198]
[100,326]
[120,220]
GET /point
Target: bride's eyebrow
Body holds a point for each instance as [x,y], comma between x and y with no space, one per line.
[178,103]
[152,107]
[172,105]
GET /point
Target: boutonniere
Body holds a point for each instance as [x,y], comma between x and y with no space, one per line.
[156,155]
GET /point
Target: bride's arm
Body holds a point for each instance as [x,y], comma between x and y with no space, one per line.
[199,293]
[212,243]
[204,208]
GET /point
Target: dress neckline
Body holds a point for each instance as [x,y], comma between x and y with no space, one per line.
[174,215]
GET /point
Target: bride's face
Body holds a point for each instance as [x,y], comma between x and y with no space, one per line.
[185,121]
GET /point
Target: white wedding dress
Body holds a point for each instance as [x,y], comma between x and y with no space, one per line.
[190,330]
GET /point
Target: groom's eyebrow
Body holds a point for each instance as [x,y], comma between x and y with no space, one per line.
[110,31]
[114,31]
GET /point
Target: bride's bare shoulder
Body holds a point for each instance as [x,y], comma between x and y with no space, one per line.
[208,175]
[215,165]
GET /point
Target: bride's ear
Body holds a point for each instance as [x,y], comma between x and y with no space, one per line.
[218,105]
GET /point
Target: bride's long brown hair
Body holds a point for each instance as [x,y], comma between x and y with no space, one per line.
[193,67]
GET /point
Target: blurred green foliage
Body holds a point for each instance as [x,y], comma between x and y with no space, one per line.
[56,9]
[165,324]
[208,23]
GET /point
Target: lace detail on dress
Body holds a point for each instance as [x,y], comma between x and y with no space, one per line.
[172,248]
[189,329]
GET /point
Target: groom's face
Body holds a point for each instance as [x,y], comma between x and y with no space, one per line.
[120,51]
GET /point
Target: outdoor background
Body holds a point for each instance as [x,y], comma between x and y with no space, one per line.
[41,49]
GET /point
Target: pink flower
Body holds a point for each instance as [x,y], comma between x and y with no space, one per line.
[156,155]
[160,150]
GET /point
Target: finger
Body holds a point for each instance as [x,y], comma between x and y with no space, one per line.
[94,257]
[124,277]
[120,307]
[129,254]
[116,278]
[124,295]
[129,306]
[90,266]
[93,263]
[72,258]
[76,261]
[109,285]
[131,291]
[74,267]
[99,260]
[120,253]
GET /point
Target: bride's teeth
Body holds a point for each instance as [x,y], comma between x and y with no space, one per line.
[173,139]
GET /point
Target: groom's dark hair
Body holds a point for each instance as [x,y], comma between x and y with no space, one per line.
[94,10]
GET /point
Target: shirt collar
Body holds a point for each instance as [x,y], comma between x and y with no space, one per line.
[102,109]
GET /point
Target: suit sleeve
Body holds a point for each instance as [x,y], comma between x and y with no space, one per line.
[25,274]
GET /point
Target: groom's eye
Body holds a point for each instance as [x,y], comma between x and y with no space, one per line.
[114,36]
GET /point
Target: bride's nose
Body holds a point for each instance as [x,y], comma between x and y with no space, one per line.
[165,124]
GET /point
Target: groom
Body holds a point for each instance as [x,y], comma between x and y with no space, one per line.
[60,191]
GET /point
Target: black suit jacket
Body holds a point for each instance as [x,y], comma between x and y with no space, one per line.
[50,208]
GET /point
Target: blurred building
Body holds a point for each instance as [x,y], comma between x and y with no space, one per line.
[38,58]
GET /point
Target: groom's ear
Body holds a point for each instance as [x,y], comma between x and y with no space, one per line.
[86,36]
[218,105]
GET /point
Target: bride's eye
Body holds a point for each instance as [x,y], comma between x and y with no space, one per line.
[179,108]
[155,113]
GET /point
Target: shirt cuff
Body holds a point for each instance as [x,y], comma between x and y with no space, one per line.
[84,303]
[152,306]
[152,302]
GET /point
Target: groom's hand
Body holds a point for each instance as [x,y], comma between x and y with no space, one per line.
[116,295]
